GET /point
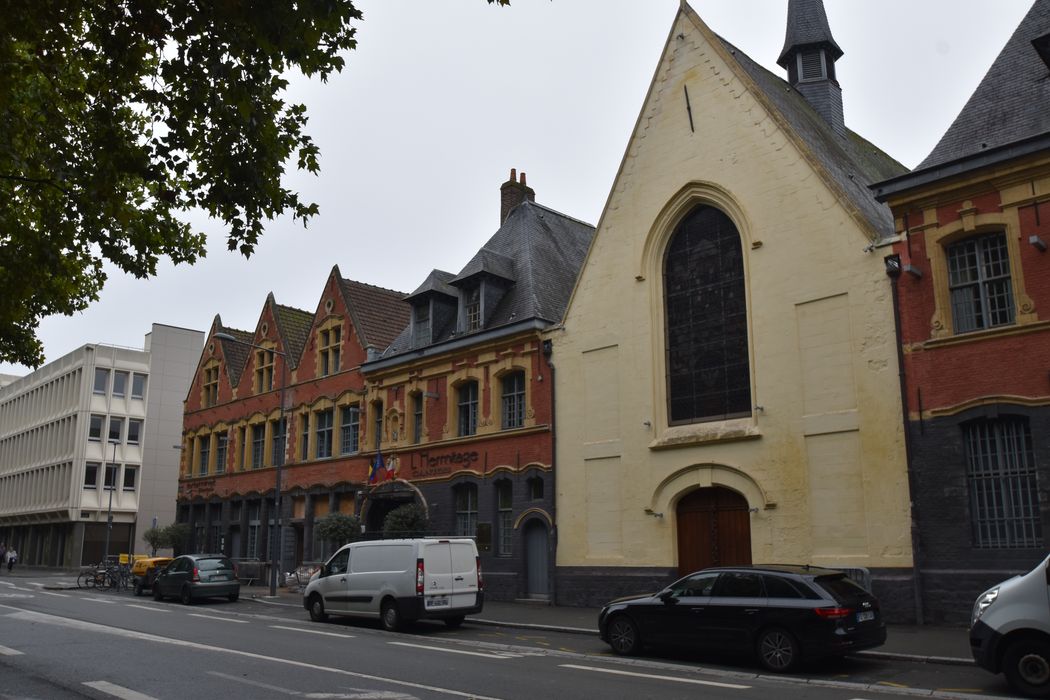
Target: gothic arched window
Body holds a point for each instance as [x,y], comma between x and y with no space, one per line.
[708,370]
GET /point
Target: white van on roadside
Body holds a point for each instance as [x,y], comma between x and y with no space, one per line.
[399,581]
[1010,631]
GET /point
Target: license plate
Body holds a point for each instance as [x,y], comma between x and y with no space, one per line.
[865,616]
[437,601]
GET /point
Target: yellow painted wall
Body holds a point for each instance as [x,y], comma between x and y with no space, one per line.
[823,459]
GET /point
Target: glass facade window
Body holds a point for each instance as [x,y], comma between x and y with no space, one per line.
[138,386]
[708,366]
[221,446]
[101,380]
[513,403]
[467,510]
[130,477]
[91,475]
[111,476]
[323,429]
[120,384]
[134,431]
[1004,493]
[350,429]
[95,427]
[468,409]
[979,280]
[116,429]
[258,445]
[504,519]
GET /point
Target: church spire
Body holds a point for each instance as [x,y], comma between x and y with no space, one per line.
[809,55]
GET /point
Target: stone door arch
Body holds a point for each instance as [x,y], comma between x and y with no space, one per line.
[714,529]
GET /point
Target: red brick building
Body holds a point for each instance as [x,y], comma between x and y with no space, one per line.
[461,403]
[232,427]
[972,280]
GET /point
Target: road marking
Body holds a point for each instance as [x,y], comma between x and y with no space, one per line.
[220,619]
[456,651]
[57,595]
[656,677]
[20,614]
[16,595]
[8,651]
[358,694]
[326,634]
[100,600]
[117,691]
[151,608]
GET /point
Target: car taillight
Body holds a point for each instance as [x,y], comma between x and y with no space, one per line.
[481,581]
[833,613]
[196,575]
[419,576]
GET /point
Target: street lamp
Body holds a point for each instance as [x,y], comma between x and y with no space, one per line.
[275,553]
[112,488]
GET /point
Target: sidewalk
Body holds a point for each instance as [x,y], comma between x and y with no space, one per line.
[927,643]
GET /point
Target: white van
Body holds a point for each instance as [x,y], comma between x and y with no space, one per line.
[399,581]
[1010,631]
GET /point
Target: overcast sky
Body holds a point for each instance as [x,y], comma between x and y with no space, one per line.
[442,98]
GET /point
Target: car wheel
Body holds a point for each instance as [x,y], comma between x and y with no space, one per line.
[317,613]
[232,597]
[454,622]
[139,590]
[777,650]
[1026,664]
[390,616]
[157,595]
[185,596]
[623,636]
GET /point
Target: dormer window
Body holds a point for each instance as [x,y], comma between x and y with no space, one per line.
[421,324]
[263,371]
[210,389]
[328,342]
[472,309]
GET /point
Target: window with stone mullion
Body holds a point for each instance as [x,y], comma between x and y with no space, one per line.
[468,409]
[979,283]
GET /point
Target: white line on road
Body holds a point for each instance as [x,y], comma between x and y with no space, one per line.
[8,651]
[117,691]
[326,634]
[656,677]
[220,619]
[151,608]
[19,614]
[100,600]
[356,695]
[57,595]
[456,651]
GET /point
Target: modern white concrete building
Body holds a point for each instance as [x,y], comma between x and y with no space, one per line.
[98,405]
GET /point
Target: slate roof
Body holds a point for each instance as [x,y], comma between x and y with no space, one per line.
[1012,102]
[487,262]
[294,326]
[236,354]
[545,250]
[438,282]
[852,162]
[807,24]
[378,314]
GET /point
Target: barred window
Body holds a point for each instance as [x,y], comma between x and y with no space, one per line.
[467,510]
[708,369]
[513,400]
[505,521]
[1004,500]
[979,282]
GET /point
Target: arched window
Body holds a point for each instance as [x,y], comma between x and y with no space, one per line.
[512,409]
[708,370]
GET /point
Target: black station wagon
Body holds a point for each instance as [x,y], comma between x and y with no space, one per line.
[783,614]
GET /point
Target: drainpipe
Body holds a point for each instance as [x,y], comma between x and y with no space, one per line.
[893,271]
[548,349]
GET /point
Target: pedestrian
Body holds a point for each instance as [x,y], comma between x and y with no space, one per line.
[12,558]
[3,553]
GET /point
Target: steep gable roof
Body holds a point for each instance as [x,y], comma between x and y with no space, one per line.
[437,281]
[807,25]
[294,327]
[378,314]
[235,353]
[1012,102]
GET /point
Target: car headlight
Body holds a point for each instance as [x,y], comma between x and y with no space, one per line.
[982,604]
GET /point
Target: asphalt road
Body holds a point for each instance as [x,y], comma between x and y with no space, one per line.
[86,644]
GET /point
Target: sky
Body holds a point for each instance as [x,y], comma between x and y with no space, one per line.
[442,98]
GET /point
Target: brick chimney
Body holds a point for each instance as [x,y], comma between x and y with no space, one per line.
[512,193]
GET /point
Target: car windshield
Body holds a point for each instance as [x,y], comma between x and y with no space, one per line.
[841,587]
[213,564]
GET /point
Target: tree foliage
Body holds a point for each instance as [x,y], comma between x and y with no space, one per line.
[338,528]
[118,116]
[172,536]
[408,520]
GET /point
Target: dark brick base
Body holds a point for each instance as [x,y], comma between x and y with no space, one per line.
[948,595]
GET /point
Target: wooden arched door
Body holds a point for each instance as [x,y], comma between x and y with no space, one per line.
[714,529]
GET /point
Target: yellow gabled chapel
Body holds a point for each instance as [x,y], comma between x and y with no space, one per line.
[727,379]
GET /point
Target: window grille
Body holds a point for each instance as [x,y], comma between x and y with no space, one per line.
[1004,499]
[504,498]
[467,510]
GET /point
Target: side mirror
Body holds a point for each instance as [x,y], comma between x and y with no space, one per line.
[668,597]
[323,571]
